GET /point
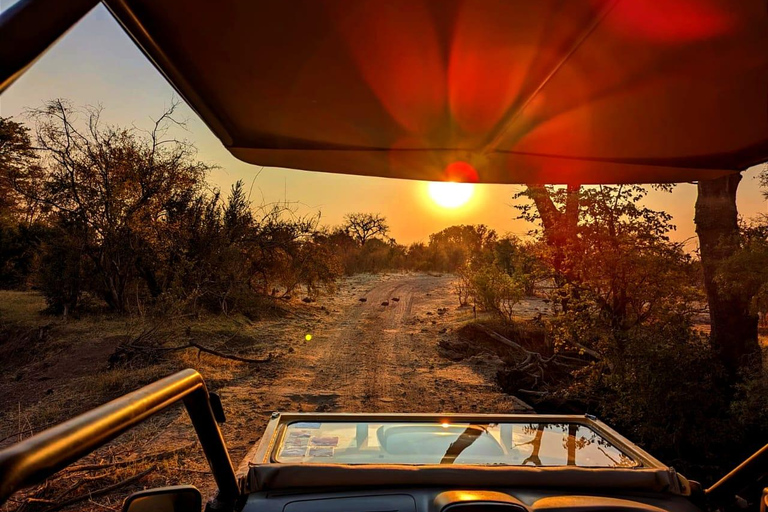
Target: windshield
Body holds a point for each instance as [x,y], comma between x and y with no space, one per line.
[512,444]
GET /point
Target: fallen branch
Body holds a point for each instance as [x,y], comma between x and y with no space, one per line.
[587,350]
[498,337]
[534,371]
[536,356]
[216,353]
[201,348]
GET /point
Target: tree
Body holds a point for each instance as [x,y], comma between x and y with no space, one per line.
[16,157]
[733,323]
[519,259]
[617,268]
[365,226]
[20,233]
[745,273]
[108,189]
[558,213]
[455,246]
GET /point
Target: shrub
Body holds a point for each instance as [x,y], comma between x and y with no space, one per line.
[496,291]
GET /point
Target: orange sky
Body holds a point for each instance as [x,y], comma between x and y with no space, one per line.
[97,63]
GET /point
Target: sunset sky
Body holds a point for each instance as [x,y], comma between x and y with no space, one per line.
[96,63]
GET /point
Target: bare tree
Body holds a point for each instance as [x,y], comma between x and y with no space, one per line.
[107,188]
[365,226]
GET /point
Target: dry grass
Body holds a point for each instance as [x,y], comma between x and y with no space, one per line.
[22,307]
[52,369]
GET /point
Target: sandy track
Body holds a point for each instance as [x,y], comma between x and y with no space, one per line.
[367,357]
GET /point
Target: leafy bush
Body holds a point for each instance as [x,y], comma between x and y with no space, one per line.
[495,290]
[19,248]
[134,223]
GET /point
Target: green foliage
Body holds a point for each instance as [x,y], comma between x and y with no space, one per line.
[16,156]
[456,246]
[520,260]
[494,273]
[745,273]
[494,290]
[667,392]
[625,292]
[20,232]
[61,276]
[19,250]
[749,408]
[131,221]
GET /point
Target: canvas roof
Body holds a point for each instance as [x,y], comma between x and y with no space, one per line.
[493,91]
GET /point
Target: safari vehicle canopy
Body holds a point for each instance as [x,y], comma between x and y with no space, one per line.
[513,91]
[490,91]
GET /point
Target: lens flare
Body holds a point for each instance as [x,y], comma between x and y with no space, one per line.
[450,194]
[308,337]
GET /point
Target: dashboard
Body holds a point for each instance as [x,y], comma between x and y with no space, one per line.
[456,500]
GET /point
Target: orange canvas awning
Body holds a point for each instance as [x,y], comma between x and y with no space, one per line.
[493,91]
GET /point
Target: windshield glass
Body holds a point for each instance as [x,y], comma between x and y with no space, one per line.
[513,444]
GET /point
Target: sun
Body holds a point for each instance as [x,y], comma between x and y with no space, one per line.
[450,194]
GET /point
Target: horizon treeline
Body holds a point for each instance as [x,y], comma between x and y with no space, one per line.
[93,214]
[98,216]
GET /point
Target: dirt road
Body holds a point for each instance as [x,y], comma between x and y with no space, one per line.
[382,354]
[375,348]
[368,357]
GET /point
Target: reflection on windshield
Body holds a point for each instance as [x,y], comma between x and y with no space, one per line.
[516,444]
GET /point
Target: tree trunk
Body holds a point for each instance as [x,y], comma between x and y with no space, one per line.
[560,229]
[734,328]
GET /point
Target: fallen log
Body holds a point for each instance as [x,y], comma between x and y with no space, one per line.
[216,353]
[506,341]
[501,339]
[534,376]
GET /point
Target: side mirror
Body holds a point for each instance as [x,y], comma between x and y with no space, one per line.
[178,498]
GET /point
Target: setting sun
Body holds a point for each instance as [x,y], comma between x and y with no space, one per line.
[450,194]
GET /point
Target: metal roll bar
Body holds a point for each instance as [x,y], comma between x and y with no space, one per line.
[32,460]
[744,474]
